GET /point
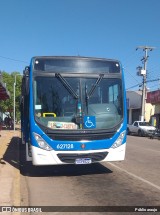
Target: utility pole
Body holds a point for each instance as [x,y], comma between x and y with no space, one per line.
[14,100]
[143,72]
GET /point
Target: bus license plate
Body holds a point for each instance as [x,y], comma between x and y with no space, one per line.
[83,161]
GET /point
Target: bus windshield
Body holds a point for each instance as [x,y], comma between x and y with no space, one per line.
[67,101]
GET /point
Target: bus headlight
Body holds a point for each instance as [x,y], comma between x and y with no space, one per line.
[41,142]
[119,140]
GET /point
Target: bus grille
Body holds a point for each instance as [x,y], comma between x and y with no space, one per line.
[78,137]
[70,158]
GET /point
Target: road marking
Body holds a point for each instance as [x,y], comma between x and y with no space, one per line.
[135,176]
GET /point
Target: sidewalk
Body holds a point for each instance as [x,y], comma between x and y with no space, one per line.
[9,168]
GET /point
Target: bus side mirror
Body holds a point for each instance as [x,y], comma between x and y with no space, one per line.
[26,71]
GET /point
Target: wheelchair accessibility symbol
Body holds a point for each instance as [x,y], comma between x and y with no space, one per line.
[89,122]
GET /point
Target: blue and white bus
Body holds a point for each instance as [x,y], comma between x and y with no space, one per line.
[73,110]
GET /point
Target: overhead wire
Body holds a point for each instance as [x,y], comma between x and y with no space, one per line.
[129,59]
[8,58]
[150,75]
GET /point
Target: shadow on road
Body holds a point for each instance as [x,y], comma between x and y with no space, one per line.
[63,170]
[15,155]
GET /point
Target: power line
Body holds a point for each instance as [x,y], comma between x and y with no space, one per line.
[134,86]
[127,71]
[7,58]
[126,77]
[155,87]
[140,84]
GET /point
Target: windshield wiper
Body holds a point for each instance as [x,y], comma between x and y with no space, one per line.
[67,85]
[94,86]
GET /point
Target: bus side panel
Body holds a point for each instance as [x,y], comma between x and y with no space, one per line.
[25,117]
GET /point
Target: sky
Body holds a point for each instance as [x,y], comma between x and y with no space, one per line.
[96,28]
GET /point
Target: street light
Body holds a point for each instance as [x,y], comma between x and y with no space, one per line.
[14,89]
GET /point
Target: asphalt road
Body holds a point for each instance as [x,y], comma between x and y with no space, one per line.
[132,182]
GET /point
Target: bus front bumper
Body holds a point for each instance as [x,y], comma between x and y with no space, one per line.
[43,157]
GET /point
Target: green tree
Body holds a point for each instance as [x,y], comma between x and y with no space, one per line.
[8,105]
